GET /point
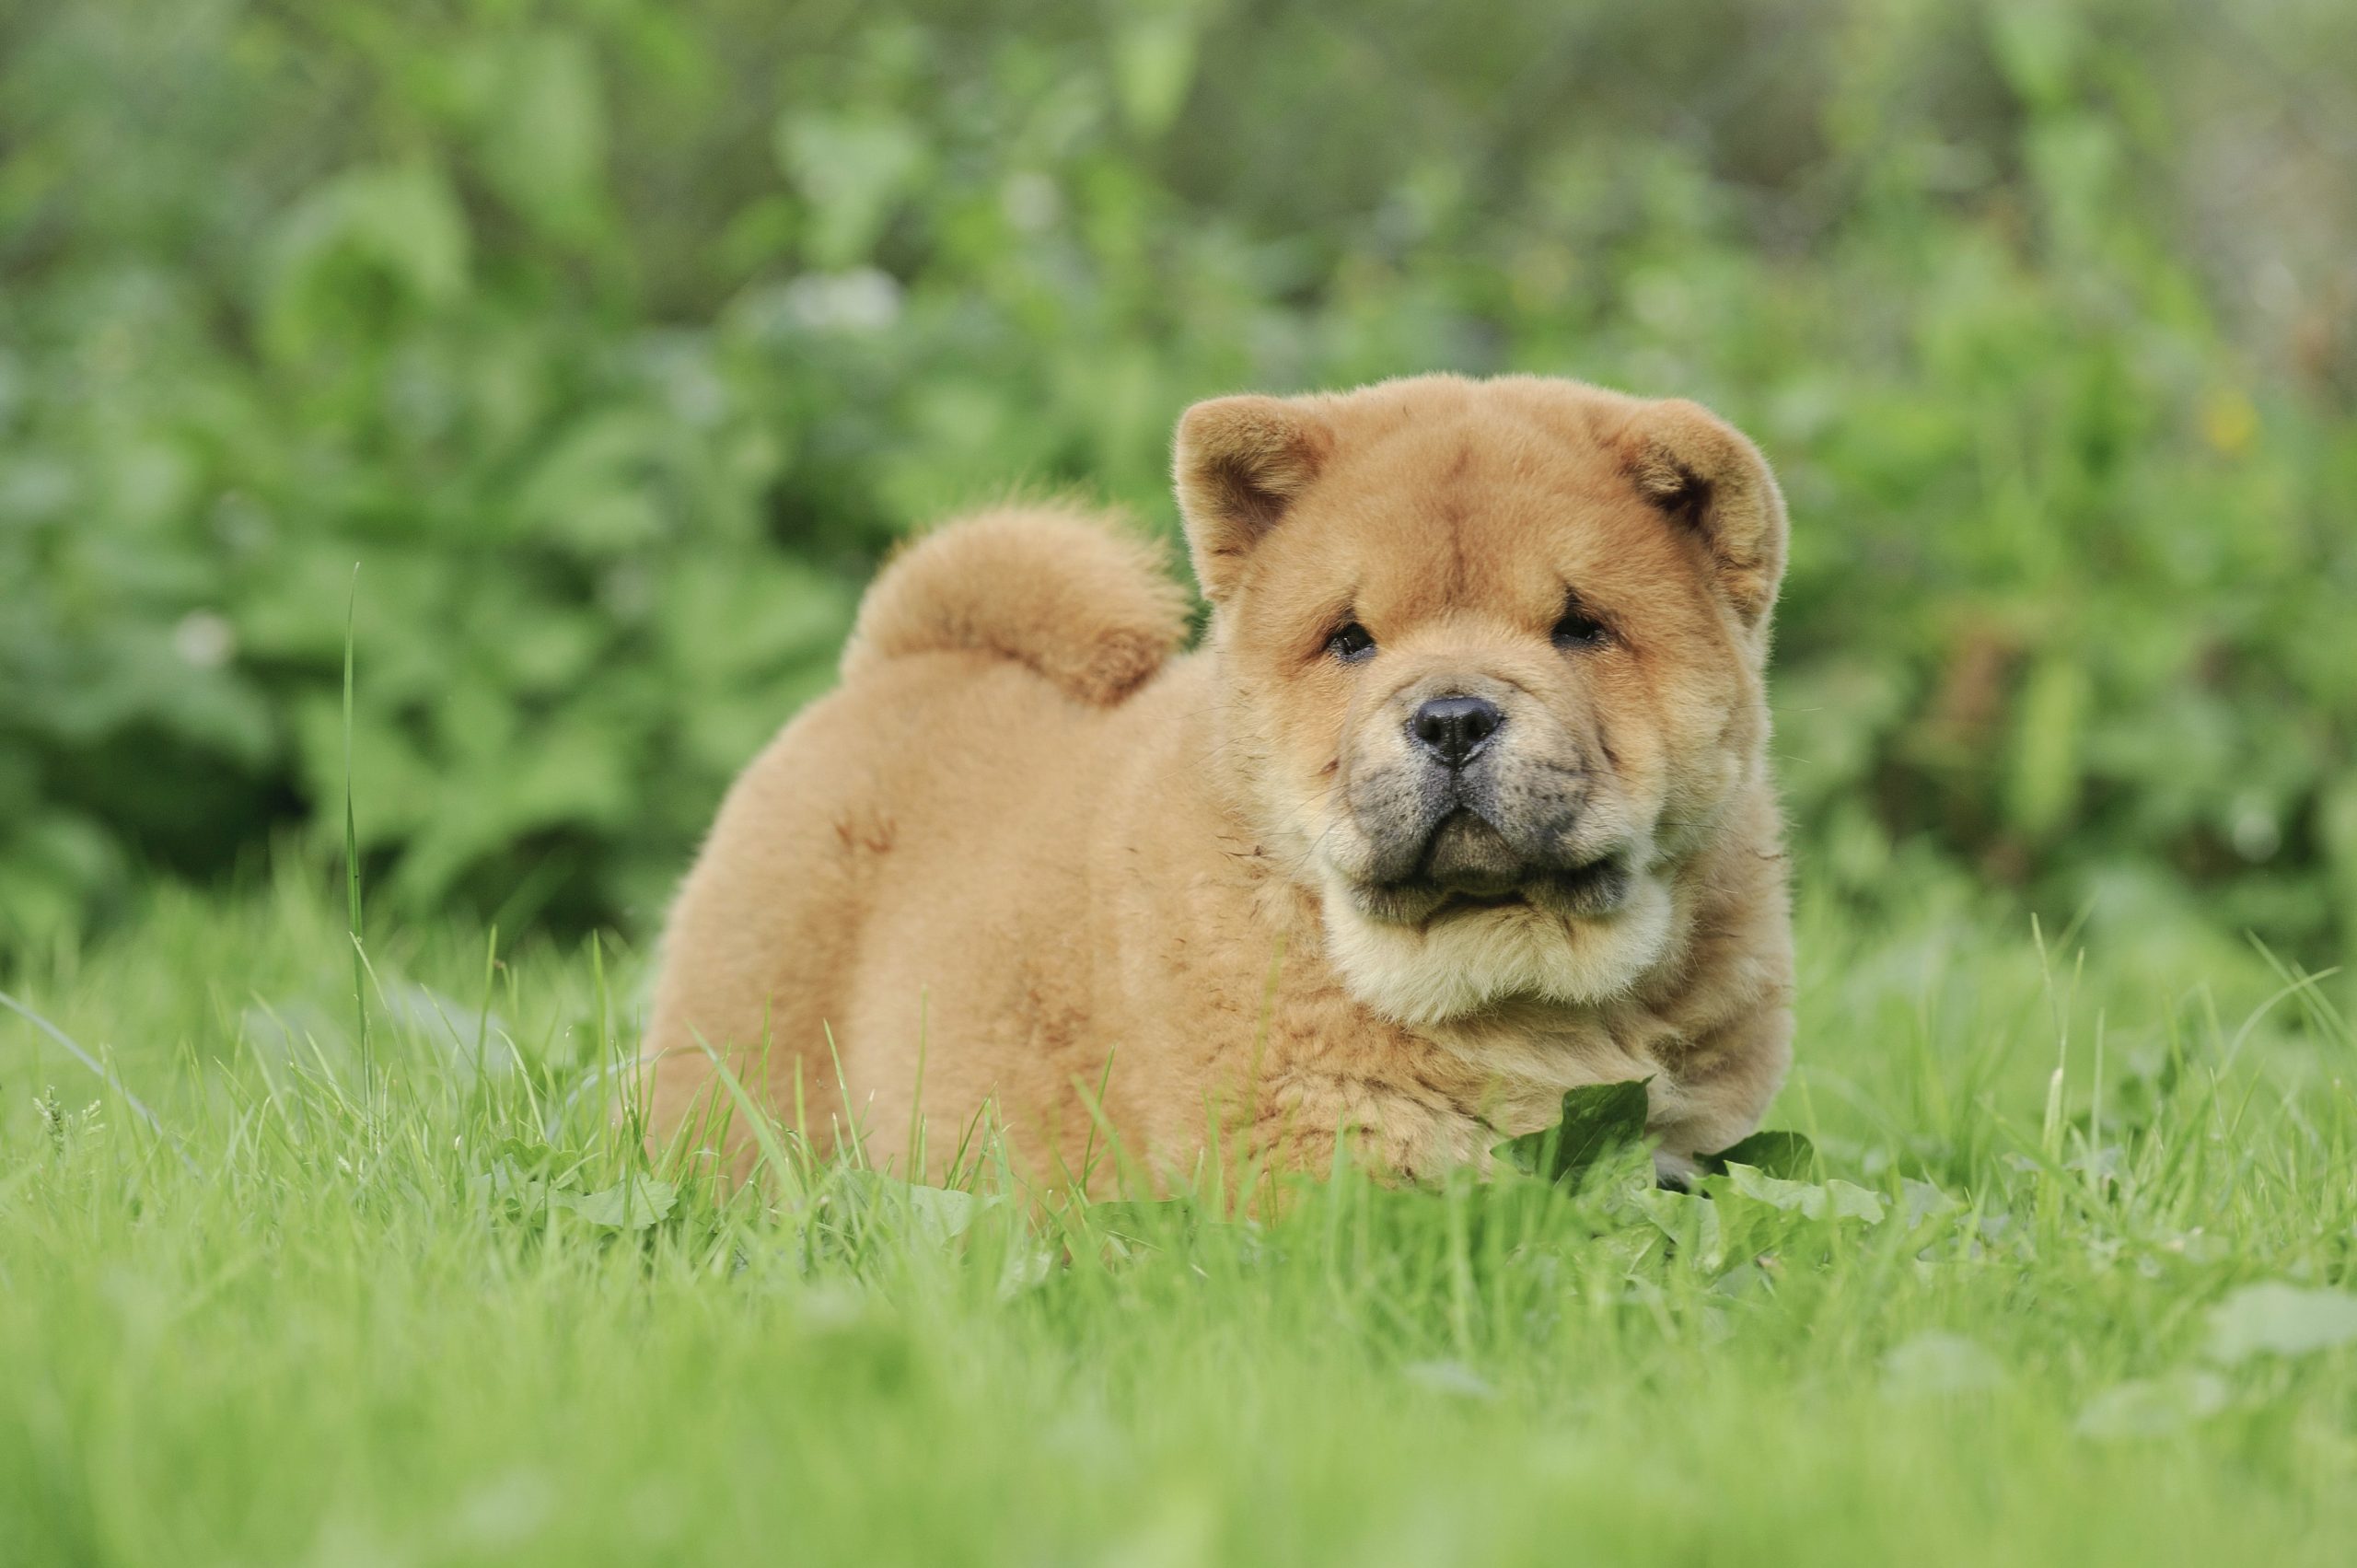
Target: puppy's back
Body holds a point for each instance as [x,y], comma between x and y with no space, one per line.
[898,844]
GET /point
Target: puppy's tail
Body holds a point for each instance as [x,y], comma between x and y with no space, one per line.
[1072,595]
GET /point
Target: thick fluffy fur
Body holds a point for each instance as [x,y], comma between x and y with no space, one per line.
[1028,856]
[1092,611]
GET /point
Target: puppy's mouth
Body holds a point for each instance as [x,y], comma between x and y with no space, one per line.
[1469,867]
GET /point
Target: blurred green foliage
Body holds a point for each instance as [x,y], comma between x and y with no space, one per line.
[614,342]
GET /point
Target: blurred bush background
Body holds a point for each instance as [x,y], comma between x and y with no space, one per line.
[615,342]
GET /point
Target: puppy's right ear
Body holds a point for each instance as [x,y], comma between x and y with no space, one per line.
[1241,464]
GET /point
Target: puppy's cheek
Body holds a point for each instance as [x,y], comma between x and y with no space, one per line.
[1691,793]
[1374,748]
[1339,846]
[1633,785]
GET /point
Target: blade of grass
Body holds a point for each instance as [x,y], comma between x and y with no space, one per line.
[764,1132]
[105,1075]
[352,862]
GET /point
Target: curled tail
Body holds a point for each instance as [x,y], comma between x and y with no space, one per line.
[1072,595]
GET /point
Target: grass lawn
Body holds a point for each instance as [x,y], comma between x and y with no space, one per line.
[2086,1295]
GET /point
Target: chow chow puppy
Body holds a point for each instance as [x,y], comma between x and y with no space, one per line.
[1463,801]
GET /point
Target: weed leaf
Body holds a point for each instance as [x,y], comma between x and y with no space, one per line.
[2280,1320]
[934,1215]
[2153,1407]
[1788,1156]
[1599,1120]
[633,1203]
[943,1213]
[1935,1364]
[1815,1201]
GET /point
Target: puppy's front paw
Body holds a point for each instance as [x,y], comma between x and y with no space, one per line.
[1675,1172]
[1393,1129]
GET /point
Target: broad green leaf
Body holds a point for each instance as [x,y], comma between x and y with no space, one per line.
[943,1213]
[543,129]
[1935,1362]
[1847,1200]
[1598,1119]
[853,168]
[1452,1378]
[401,226]
[2280,1320]
[2337,827]
[2042,787]
[1787,1155]
[933,1214]
[1830,1199]
[1692,1222]
[1921,1201]
[2153,1407]
[1154,64]
[2037,48]
[633,1203]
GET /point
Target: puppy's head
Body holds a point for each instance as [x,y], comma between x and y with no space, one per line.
[1492,659]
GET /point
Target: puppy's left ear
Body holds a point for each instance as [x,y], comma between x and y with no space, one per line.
[1716,487]
[1240,465]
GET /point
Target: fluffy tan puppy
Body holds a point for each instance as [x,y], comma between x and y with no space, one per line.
[1463,801]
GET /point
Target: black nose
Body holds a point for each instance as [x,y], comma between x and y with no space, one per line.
[1454,728]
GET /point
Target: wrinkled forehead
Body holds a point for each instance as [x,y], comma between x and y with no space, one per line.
[1499,511]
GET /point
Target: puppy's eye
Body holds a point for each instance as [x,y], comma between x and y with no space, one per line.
[1578,629]
[1352,644]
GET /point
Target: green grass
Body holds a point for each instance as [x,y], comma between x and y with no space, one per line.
[425,1331]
